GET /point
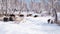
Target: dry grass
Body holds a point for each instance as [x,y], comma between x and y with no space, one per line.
[58,22]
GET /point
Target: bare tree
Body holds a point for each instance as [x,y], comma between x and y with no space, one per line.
[54,10]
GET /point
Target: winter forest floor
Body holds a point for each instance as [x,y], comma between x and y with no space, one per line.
[29,25]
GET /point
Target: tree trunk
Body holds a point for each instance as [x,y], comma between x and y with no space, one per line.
[55,15]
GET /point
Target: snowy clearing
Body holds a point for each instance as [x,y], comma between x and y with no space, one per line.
[29,25]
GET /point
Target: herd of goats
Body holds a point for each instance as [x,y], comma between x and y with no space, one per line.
[13,17]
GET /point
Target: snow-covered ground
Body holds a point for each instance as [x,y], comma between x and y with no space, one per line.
[29,25]
[58,14]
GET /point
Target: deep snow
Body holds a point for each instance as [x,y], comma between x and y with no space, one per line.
[29,25]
